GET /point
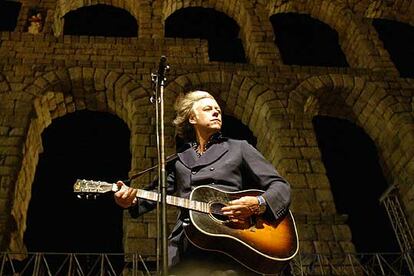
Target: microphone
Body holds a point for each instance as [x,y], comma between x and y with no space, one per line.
[163,67]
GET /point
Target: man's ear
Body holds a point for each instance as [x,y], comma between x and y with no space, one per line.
[192,119]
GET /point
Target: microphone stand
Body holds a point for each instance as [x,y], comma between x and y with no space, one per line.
[158,80]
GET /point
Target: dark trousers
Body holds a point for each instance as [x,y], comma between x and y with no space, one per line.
[199,262]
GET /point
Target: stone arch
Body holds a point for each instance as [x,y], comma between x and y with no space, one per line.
[358,40]
[254,31]
[10,16]
[238,12]
[86,87]
[395,36]
[402,11]
[386,118]
[57,93]
[135,8]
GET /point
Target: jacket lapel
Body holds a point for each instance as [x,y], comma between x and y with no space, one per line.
[190,159]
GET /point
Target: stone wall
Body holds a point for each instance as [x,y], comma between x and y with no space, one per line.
[48,75]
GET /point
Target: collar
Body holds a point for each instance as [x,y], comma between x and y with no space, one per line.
[216,149]
[215,138]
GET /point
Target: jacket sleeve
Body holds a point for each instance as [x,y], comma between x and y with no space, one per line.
[263,176]
[143,206]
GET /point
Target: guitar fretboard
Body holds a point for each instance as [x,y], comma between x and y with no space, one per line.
[90,186]
[176,201]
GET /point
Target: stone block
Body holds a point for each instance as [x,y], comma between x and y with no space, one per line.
[296,180]
[322,247]
[304,166]
[146,247]
[307,232]
[323,195]
[348,247]
[324,232]
[137,230]
[306,247]
[288,165]
[310,152]
[317,181]
[317,166]
[341,232]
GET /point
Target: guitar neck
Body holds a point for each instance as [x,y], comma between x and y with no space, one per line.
[171,200]
[93,187]
[175,201]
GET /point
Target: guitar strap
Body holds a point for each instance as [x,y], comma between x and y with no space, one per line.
[168,159]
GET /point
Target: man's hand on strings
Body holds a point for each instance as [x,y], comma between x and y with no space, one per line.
[241,209]
[125,196]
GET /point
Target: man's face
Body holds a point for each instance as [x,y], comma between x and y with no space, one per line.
[206,115]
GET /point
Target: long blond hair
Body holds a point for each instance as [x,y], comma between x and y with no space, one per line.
[184,107]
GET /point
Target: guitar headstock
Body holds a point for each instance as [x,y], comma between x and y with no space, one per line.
[89,188]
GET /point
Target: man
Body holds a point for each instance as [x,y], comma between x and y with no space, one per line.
[226,164]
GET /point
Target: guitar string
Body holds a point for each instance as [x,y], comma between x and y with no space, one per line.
[193,205]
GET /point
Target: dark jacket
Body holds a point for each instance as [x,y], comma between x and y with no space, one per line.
[229,165]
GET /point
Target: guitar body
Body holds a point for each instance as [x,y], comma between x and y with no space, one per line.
[262,246]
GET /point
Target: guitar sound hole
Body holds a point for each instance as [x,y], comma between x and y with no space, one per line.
[215,211]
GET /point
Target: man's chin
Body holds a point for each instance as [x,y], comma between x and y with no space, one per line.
[214,129]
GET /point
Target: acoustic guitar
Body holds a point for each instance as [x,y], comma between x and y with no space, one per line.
[261,245]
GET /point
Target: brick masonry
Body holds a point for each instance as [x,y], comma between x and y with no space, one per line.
[45,76]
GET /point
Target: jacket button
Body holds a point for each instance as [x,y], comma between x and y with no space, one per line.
[193,172]
[212,169]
